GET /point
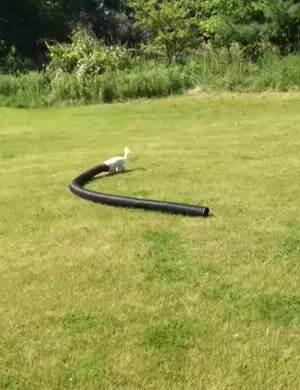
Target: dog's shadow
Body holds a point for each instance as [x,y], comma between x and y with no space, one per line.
[127,171]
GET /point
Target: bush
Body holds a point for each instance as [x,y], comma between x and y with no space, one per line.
[86,56]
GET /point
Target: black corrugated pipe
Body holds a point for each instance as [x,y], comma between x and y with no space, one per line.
[77,187]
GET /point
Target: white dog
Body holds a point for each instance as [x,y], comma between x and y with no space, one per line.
[117,164]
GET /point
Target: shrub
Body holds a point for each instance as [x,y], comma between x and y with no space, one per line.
[86,56]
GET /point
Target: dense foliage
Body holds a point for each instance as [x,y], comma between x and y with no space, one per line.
[86,56]
[103,50]
[168,28]
[23,23]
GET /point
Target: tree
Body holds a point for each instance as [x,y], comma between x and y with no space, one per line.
[22,23]
[283,23]
[275,22]
[172,25]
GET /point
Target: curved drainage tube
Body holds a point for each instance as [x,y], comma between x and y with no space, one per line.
[77,187]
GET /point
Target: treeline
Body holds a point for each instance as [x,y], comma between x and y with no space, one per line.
[94,51]
[169,28]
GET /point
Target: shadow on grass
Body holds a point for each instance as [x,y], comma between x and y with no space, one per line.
[106,175]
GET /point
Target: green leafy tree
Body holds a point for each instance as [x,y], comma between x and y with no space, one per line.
[172,25]
[283,23]
[259,23]
[241,22]
[213,14]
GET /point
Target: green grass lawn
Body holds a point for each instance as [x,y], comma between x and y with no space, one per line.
[94,297]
